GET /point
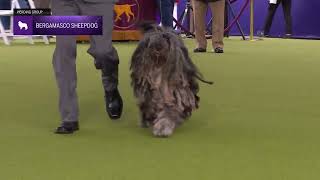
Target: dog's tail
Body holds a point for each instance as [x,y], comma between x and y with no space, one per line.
[204,81]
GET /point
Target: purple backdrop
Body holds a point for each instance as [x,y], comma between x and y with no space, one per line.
[305,18]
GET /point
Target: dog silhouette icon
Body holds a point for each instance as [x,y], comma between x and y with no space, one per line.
[23,25]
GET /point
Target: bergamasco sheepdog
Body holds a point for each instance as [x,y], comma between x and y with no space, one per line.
[164,80]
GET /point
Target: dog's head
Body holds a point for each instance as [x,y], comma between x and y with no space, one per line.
[156,40]
[163,48]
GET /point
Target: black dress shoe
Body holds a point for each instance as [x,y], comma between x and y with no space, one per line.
[67,128]
[114,104]
[218,50]
[199,50]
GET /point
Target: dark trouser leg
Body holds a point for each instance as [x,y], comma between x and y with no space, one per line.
[105,55]
[166,10]
[271,11]
[286,5]
[64,64]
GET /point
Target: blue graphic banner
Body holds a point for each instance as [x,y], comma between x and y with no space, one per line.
[58,25]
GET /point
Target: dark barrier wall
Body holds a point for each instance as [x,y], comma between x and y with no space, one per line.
[305,13]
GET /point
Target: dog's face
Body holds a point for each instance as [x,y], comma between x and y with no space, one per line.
[157,42]
[159,48]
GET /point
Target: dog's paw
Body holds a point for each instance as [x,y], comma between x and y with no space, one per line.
[163,128]
[145,124]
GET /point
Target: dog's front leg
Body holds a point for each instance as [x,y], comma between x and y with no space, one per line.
[163,127]
[146,118]
[144,123]
[165,123]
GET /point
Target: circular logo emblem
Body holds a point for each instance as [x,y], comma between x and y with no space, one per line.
[126,13]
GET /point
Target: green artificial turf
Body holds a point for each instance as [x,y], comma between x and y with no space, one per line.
[260,121]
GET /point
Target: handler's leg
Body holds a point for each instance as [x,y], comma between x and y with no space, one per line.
[268,22]
[200,9]
[105,56]
[166,11]
[286,5]
[64,64]
[217,9]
